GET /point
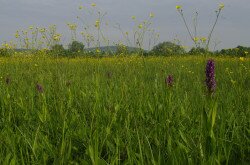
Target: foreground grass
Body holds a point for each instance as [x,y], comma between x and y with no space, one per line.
[120,111]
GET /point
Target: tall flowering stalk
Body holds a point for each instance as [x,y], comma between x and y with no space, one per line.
[39,88]
[210,76]
[169,80]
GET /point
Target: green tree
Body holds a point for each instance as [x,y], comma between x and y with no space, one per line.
[167,49]
[76,47]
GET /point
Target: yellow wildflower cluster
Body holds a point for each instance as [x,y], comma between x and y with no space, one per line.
[97,23]
[57,37]
[203,39]
[42,30]
[151,15]
[196,39]
[17,35]
[72,26]
[140,26]
[221,6]
[80,7]
[6,46]
[178,7]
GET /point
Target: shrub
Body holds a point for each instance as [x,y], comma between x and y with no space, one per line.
[76,47]
[239,51]
[58,49]
[199,51]
[167,49]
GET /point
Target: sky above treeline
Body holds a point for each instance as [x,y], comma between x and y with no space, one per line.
[232,28]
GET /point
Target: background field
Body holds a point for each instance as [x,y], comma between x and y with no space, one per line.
[120,110]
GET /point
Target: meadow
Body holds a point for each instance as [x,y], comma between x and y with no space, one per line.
[121,110]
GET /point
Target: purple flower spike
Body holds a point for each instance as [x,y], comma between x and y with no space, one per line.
[8,80]
[210,76]
[169,80]
[39,88]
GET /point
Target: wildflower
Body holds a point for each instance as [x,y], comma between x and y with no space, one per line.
[80,7]
[126,33]
[221,6]
[93,5]
[210,76]
[31,27]
[242,58]
[169,80]
[72,26]
[203,39]
[246,52]
[133,17]
[109,74]
[42,30]
[57,37]
[140,26]
[39,88]
[68,83]
[233,81]
[151,15]
[17,34]
[98,50]
[97,23]
[178,7]
[196,39]
[8,80]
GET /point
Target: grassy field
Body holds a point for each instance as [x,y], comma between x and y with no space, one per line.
[119,110]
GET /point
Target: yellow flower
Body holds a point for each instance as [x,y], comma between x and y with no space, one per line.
[31,27]
[246,52]
[196,39]
[98,50]
[42,30]
[178,7]
[221,6]
[126,33]
[80,7]
[133,17]
[97,23]
[203,39]
[233,81]
[93,5]
[151,15]
[17,34]
[242,58]
[140,26]
[72,26]
[57,37]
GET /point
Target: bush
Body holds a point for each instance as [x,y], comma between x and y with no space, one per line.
[76,47]
[5,52]
[167,49]
[199,51]
[239,51]
[58,50]
[121,49]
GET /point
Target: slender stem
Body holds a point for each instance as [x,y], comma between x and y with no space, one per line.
[211,32]
[184,20]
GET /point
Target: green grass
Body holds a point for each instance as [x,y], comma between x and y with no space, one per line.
[120,111]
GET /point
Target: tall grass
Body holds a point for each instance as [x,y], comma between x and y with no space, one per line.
[119,110]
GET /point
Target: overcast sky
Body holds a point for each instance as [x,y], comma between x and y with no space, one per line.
[233,27]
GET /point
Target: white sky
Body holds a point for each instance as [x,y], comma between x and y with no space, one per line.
[232,29]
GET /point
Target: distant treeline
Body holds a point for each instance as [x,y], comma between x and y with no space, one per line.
[162,49]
